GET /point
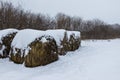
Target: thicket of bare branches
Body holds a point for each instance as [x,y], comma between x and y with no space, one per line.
[16,17]
[11,17]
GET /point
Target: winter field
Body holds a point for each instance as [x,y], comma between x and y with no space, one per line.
[94,60]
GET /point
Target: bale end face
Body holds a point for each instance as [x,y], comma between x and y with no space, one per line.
[41,53]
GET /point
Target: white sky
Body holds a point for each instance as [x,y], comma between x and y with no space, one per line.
[106,10]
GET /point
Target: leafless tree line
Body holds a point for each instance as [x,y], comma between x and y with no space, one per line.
[16,17]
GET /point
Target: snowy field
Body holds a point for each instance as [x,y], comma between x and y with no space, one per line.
[94,60]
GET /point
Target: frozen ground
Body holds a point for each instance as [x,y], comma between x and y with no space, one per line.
[95,60]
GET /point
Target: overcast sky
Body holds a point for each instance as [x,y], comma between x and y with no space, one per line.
[106,10]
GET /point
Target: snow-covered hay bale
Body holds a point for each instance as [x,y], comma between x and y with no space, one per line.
[33,48]
[6,37]
[66,40]
[69,44]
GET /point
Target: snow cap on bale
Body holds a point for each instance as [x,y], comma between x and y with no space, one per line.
[6,37]
[75,33]
[24,37]
[5,32]
[59,34]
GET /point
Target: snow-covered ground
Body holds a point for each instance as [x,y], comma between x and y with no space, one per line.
[94,60]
